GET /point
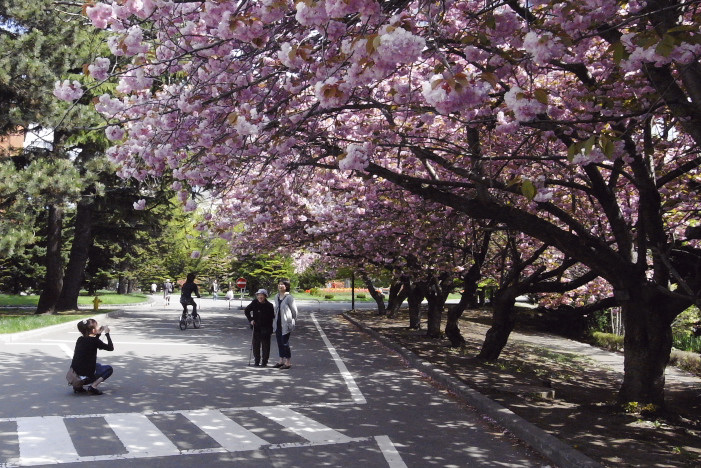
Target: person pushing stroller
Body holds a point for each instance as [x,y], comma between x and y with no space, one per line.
[260,314]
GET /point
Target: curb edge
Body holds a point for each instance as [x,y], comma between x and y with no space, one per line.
[544,443]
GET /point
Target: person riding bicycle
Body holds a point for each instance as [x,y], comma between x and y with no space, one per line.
[186,295]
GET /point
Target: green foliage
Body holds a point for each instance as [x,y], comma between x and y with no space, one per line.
[634,407]
[328,296]
[608,341]
[314,276]
[683,330]
[360,296]
[23,271]
[314,291]
[264,271]
[687,342]
[600,321]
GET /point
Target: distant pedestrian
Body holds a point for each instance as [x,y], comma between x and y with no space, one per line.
[186,292]
[260,314]
[167,291]
[215,290]
[154,288]
[284,322]
[84,363]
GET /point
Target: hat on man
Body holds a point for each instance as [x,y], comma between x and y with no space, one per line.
[262,291]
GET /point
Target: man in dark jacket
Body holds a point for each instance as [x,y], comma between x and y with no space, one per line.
[260,314]
[188,289]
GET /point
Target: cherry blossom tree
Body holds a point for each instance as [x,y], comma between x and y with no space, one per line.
[577,124]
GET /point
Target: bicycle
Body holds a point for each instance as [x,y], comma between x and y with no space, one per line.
[188,319]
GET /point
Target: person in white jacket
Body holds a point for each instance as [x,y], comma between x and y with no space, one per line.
[284,322]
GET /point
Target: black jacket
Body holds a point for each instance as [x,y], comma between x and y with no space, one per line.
[262,313]
[85,354]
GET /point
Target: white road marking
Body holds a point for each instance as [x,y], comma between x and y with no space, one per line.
[33,434]
[67,350]
[46,440]
[302,425]
[394,460]
[140,436]
[230,435]
[355,392]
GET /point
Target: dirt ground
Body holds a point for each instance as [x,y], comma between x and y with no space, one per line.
[582,412]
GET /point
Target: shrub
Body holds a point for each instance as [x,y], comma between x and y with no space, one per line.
[608,341]
[314,291]
[690,362]
[360,296]
[687,342]
[328,296]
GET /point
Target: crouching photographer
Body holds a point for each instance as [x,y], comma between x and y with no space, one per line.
[85,370]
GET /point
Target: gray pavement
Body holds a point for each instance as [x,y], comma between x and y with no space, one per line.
[180,398]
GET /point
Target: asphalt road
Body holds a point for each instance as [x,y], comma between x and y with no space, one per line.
[188,398]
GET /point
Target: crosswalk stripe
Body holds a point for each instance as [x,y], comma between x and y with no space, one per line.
[140,436]
[227,433]
[302,425]
[33,434]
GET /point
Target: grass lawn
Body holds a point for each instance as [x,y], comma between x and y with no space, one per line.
[340,297]
[346,297]
[17,320]
[107,298]
[17,312]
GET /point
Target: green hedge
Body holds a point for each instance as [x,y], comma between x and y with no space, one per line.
[608,341]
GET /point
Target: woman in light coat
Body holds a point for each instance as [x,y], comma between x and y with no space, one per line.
[284,322]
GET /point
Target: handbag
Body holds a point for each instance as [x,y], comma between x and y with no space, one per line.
[73,379]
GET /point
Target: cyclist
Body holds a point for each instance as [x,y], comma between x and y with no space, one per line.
[186,292]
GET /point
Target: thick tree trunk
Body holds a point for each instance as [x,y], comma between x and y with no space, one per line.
[54,267]
[647,345]
[396,303]
[452,329]
[122,286]
[375,294]
[467,299]
[415,297]
[503,321]
[75,270]
[394,290]
[436,303]
[436,294]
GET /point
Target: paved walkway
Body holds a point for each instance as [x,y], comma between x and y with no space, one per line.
[607,359]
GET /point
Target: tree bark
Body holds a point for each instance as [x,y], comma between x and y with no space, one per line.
[122,285]
[503,321]
[452,330]
[467,299]
[647,343]
[436,295]
[394,290]
[379,298]
[401,295]
[436,303]
[415,297]
[54,265]
[75,270]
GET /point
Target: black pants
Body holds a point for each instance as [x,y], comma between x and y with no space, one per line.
[261,340]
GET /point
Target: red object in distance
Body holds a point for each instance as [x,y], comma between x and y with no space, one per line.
[241,283]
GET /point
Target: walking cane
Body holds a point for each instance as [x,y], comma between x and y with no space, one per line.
[250,353]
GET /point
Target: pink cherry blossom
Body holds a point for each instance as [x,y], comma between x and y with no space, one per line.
[68,90]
